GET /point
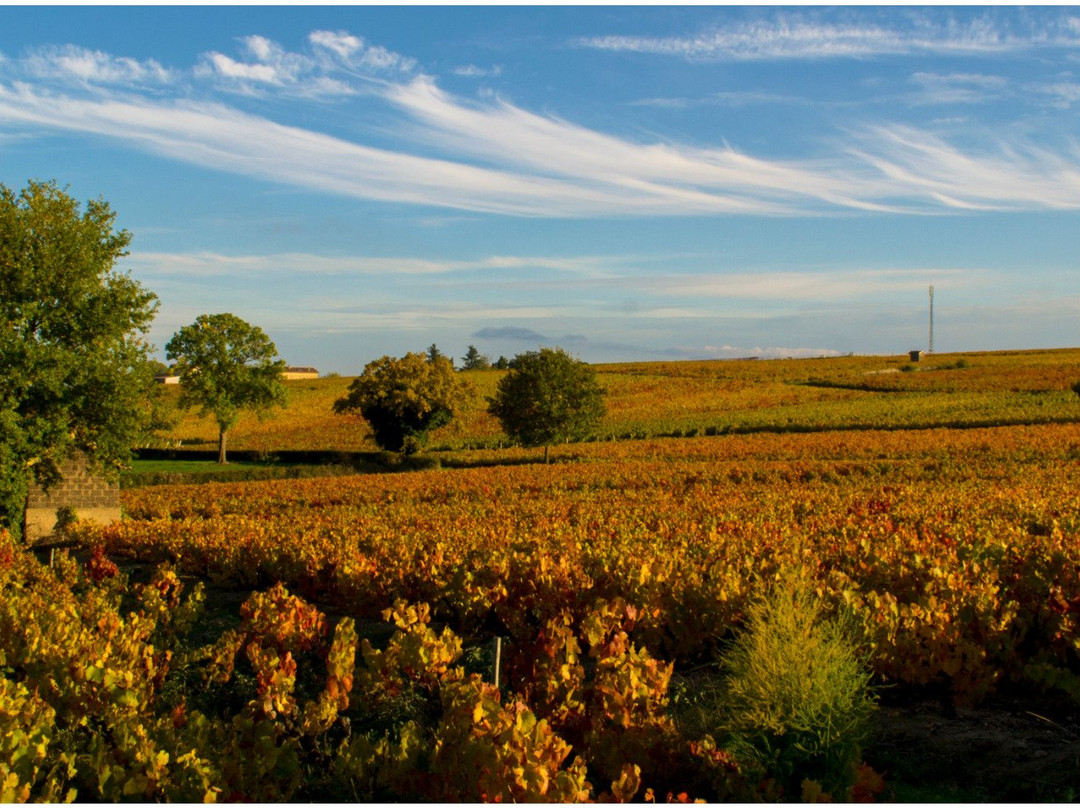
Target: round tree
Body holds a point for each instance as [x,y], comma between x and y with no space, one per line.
[226,365]
[548,397]
[75,372]
[404,399]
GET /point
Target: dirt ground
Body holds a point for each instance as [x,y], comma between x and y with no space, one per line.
[1011,749]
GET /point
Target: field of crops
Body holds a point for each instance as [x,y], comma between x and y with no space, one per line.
[343,645]
[952,546]
[688,398]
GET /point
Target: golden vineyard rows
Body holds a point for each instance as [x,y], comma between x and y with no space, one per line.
[688,398]
[953,554]
[956,551]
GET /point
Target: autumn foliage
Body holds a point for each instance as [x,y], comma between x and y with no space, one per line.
[358,662]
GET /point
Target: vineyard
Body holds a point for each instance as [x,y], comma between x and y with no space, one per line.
[709,398]
[510,630]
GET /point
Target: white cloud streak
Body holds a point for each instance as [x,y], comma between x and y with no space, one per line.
[72,63]
[957,88]
[805,287]
[495,157]
[1060,94]
[1014,177]
[474,72]
[215,136]
[794,37]
[208,264]
[695,180]
[578,272]
[268,65]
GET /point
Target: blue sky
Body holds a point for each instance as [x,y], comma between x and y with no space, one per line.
[631,183]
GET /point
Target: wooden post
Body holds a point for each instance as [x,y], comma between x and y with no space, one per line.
[496,664]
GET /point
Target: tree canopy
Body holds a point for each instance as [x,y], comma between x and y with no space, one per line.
[404,399]
[74,359]
[547,397]
[474,360]
[226,365]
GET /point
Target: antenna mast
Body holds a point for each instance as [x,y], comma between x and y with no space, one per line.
[930,348]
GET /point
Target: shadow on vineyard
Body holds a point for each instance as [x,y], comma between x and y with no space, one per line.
[1022,748]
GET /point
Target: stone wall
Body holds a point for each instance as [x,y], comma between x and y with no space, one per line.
[87,495]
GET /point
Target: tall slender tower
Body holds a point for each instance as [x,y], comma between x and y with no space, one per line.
[930,348]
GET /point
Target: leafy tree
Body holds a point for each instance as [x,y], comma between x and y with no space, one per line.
[547,397]
[474,360]
[502,363]
[159,368]
[433,353]
[403,399]
[226,365]
[74,372]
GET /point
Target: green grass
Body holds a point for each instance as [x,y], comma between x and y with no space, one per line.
[190,466]
[182,472]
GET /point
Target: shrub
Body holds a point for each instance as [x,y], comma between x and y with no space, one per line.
[797,700]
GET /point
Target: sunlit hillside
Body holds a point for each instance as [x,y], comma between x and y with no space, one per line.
[651,399]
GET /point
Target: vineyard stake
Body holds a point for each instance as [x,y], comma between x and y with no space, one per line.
[497,663]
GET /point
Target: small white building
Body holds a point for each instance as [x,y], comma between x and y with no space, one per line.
[292,374]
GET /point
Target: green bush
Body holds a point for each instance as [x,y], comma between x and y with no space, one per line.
[797,699]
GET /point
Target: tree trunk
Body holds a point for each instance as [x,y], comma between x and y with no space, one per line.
[221,447]
[545,454]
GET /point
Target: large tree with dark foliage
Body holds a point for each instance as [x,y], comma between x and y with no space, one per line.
[74,362]
[547,397]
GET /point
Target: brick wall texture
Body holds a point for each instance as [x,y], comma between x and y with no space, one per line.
[78,489]
[90,496]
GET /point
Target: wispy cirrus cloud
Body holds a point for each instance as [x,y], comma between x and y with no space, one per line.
[219,137]
[355,53]
[603,274]
[1011,176]
[1060,94]
[956,88]
[809,286]
[724,98]
[93,67]
[211,264]
[333,57]
[706,180]
[492,156]
[788,36]
[474,72]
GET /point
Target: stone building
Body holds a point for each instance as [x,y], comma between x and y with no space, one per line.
[80,492]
